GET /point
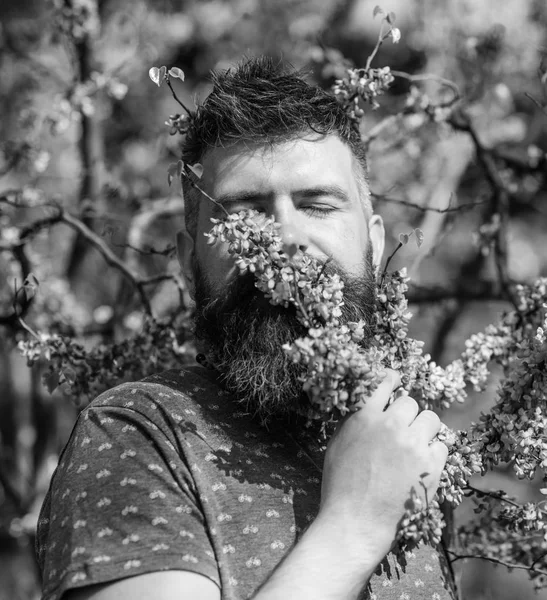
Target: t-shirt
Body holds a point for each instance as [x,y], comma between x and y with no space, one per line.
[171,473]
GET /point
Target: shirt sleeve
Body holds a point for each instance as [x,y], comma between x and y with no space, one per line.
[122,501]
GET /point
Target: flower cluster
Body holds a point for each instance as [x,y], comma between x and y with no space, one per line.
[340,370]
[77,19]
[283,273]
[362,84]
[515,429]
[462,463]
[418,102]
[508,533]
[431,385]
[86,373]
[339,373]
[421,522]
[178,123]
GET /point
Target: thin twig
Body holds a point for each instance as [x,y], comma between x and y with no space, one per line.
[202,191]
[159,278]
[381,37]
[379,127]
[461,207]
[28,328]
[479,291]
[107,254]
[149,250]
[399,246]
[430,77]
[496,561]
[496,495]
[170,86]
[536,102]
[540,557]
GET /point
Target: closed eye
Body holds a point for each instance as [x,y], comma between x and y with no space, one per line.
[318,211]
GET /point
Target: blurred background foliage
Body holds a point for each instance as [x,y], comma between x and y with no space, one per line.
[82,126]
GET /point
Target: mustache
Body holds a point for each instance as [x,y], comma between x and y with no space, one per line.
[243,336]
[359,295]
[240,295]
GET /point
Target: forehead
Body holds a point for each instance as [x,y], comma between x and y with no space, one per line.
[281,168]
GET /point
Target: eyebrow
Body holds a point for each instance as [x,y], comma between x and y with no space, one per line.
[333,190]
[309,193]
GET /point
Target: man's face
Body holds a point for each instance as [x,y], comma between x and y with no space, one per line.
[310,186]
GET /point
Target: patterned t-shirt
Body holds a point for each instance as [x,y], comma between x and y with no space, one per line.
[170,473]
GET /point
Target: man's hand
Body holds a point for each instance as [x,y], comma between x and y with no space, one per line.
[374,459]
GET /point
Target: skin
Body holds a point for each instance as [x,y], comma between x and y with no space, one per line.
[375,456]
[309,185]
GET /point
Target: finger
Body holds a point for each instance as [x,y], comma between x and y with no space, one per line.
[404,409]
[440,451]
[380,397]
[427,424]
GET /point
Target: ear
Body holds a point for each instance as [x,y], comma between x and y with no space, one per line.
[377,237]
[185,254]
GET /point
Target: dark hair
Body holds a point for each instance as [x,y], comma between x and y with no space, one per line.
[262,100]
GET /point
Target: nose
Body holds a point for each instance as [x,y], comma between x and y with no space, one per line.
[294,238]
[293,230]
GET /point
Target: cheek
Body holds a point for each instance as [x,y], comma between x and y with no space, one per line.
[216,265]
[348,247]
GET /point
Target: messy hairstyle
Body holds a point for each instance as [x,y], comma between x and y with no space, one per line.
[264,100]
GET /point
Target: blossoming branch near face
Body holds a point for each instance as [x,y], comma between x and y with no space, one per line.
[308,184]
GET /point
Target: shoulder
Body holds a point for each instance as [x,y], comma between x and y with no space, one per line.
[172,404]
[161,393]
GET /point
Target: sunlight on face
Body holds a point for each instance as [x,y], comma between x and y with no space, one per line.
[308,184]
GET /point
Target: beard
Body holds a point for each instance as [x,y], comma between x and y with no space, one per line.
[243,334]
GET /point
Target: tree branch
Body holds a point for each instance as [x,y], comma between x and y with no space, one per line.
[107,254]
[496,561]
[170,86]
[63,216]
[501,195]
[409,204]
[90,148]
[480,290]
[431,77]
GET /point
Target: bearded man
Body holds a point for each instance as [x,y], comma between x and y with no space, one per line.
[202,483]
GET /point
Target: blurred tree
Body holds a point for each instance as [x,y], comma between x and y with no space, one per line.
[85,207]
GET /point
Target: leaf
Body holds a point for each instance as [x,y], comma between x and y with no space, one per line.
[177,73]
[51,381]
[395,35]
[174,170]
[196,169]
[30,292]
[390,18]
[419,237]
[377,11]
[154,75]
[29,286]
[69,375]
[31,279]
[403,238]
